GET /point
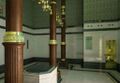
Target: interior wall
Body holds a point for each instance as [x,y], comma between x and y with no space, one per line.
[74,44]
[2,5]
[74,47]
[74,17]
[27,52]
[34,16]
[40,18]
[1,46]
[37,45]
[97,53]
[118,9]
[119,44]
[98,10]
[40,45]
[28,12]
[100,32]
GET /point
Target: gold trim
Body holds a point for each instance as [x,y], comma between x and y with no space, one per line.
[13,37]
[63,10]
[52,42]
[53,2]
[63,13]
[63,43]
[63,59]
[51,12]
[63,7]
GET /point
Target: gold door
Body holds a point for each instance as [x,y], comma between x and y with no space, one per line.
[110,52]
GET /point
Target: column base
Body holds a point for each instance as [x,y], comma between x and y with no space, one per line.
[59,76]
[63,65]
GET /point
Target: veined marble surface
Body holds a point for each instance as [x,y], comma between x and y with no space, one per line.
[73,76]
[81,75]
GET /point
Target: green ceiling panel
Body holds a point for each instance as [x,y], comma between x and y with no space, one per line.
[100,10]
[92,10]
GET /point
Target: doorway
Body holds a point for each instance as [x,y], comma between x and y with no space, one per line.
[110,54]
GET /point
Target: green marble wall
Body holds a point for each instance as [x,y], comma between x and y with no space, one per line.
[119,9]
[100,10]
[2,8]
[93,10]
[40,18]
[74,14]
[28,12]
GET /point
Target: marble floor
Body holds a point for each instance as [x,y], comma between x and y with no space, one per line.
[80,75]
[73,76]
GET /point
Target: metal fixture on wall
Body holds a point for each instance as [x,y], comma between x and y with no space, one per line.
[45,4]
[59,19]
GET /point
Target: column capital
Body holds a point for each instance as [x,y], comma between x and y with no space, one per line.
[63,59]
[63,43]
[53,2]
[53,42]
[12,36]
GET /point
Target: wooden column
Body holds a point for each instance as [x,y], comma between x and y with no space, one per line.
[53,42]
[13,42]
[63,35]
[63,30]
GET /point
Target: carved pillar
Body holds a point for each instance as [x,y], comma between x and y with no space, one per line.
[63,29]
[63,35]
[53,42]
[13,42]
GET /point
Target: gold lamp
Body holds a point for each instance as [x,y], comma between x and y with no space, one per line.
[45,4]
[59,19]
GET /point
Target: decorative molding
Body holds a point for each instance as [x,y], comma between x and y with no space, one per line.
[37,28]
[71,26]
[118,67]
[63,43]
[69,60]
[53,42]
[68,33]
[2,27]
[104,29]
[97,21]
[102,71]
[30,27]
[94,65]
[1,17]
[28,61]
[2,68]
[47,27]
[113,77]
[13,37]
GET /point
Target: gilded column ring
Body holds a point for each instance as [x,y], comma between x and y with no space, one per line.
[12,36]
[53,2]
[63,43]
[63,59]
[52,42]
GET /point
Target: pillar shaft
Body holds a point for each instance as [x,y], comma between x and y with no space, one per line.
[52,44]
[63,30]
[14,15]
[13,42]
[13,63]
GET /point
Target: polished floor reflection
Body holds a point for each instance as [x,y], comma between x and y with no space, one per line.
[81,75]
[73,76]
